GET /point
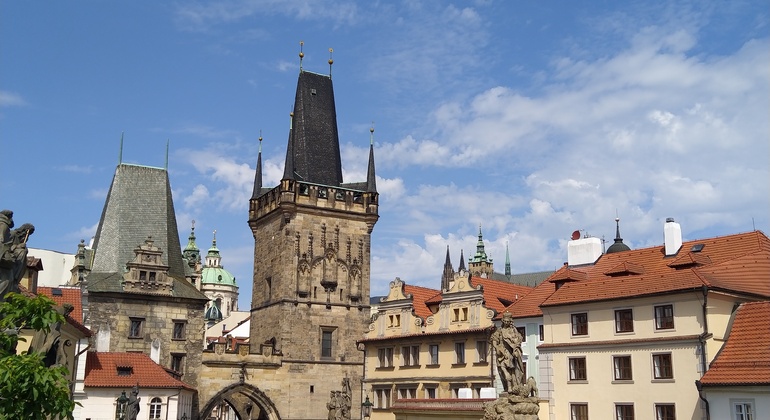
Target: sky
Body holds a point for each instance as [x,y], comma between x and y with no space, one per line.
[529,120]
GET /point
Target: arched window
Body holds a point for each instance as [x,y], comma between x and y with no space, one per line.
[155,408]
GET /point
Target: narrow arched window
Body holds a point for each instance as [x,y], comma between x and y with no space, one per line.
[155,408]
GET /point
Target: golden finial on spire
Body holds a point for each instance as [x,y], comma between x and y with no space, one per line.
[301,54]
[331,61]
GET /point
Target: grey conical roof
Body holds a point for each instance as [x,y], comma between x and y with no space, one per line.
[138,205]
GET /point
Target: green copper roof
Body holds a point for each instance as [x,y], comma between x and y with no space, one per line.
[213,272]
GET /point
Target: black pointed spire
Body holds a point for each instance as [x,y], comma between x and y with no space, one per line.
[449,273]
[462,262]
[258,173]
[371,179]
[313,153]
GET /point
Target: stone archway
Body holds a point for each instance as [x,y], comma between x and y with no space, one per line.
[248,402]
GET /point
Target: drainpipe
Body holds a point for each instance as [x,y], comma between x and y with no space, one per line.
[702,341]
[363,385]
[168,403]
[699,386]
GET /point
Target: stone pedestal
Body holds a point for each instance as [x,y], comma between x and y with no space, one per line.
[512,407]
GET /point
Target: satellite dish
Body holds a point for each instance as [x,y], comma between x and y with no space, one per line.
[576,235]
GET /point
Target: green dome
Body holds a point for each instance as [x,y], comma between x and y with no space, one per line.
[217,275]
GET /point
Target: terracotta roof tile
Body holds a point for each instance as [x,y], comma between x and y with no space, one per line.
[499,294]
[431,333]
[745,357]
[102,372]
[420,295]
[738,263]
[68,295]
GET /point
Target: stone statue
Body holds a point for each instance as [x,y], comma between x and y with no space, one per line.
[13,253]
[520,400]
[340,402]
[506,343]
[132,409]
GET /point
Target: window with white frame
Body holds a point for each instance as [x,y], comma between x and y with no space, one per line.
[577,369]
[407,392]
[541,332]
[743,410]
[523,332]
[381,398]
[385,357]
[482,350]
[430,391]
[410,356]
[622,368]
[156,404]
[433,351]
[624,321]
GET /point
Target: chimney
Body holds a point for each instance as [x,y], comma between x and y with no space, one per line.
[584,251]
[672,236]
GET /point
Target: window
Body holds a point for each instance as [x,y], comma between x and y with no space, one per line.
[577,369]
[410,356]
[665,412]
[385,357]
[430,392]
[135,330]
[459,353]
[662,366]
[523,332]
[459,314]
[177,363]
[433,350]
[624,412]
[326,343]
[477,389]
[743,410]
[578,411]
[394,321]
[580,324]
[622,368]
[155,406]
[407,393]
[179,330]
[624,321]
[664,317]
[481,351]
[541,332]
[455,389]
[382,398]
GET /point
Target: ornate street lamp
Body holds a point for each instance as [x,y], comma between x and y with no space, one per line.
[366,408]
[120,408]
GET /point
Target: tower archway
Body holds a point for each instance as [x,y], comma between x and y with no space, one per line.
[247,401]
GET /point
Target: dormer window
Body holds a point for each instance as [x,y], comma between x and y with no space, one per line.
[125,370]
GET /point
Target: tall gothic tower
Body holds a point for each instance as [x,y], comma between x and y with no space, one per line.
[312,236]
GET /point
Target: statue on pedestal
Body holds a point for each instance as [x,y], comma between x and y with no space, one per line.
[520,400]
[340,402]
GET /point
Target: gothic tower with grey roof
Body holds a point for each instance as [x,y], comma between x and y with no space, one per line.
[312,236]
[138,296]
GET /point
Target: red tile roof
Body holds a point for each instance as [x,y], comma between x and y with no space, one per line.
[420,295]
[431,333]
[499,294]
[738,263]
[71,296]
[102,372]
[745,357]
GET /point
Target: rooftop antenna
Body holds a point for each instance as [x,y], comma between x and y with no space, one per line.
[371,137]
[120,152]
[331,61]
[166,167]
[301,54]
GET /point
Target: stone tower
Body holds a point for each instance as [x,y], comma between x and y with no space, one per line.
[480,265]
[312,236]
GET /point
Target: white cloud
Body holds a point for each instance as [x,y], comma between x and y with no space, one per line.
[198,196]
[9,99]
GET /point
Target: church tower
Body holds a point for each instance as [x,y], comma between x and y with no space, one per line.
[312,236]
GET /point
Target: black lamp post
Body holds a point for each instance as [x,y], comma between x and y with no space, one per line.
[366,408]
[120,409]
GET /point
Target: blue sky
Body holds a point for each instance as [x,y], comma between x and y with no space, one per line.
[531,119]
